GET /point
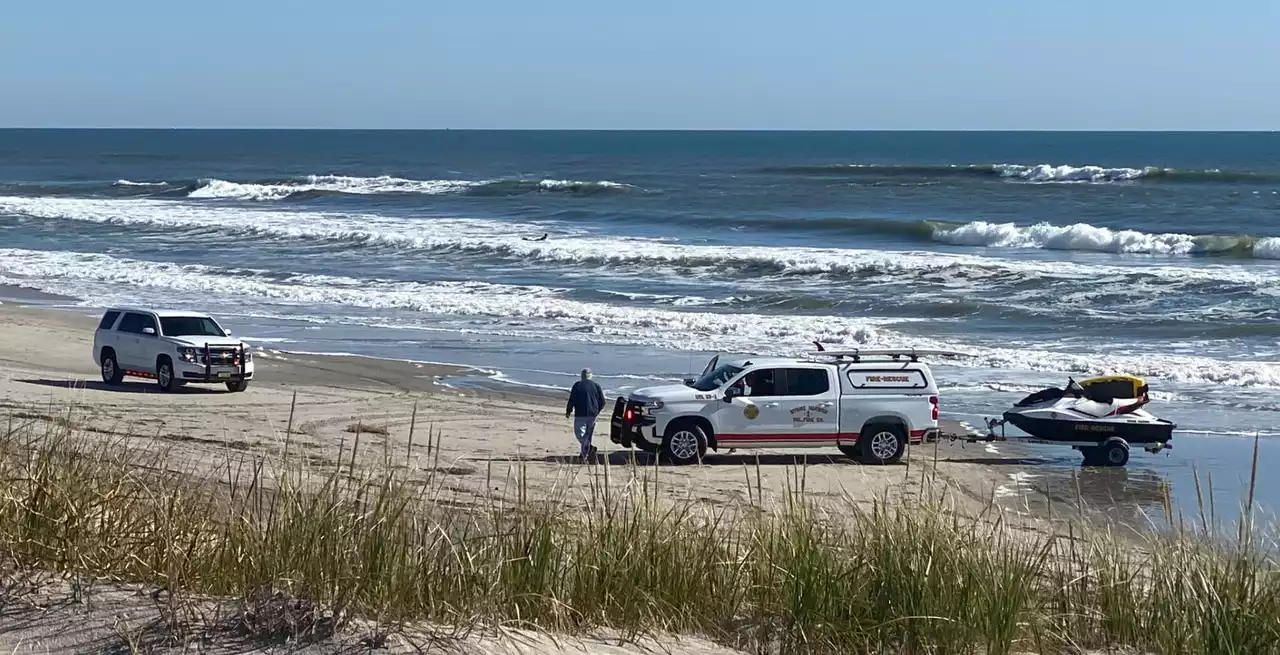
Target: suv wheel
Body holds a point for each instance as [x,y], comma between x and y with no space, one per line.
[111,373]
[685,443]
[164,375]
[882,443]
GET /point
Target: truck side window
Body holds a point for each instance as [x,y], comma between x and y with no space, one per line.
[762,382]
[807,382]
[148,322]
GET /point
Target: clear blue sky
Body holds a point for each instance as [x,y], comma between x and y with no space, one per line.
[746,64]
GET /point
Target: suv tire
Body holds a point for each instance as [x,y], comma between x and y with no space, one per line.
[165,376]
[111,373]
[685,442]
[236,386]
[882,443]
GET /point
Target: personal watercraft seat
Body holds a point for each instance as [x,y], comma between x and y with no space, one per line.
[1116,407]
[1052,393]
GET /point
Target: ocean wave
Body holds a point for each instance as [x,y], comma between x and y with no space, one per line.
[106,278]
[144,184]
[506,241]
[1035,173]
[340,184]
[1082,236]
[540,312]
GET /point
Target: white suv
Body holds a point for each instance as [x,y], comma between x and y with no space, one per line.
[171,347]
[869,404]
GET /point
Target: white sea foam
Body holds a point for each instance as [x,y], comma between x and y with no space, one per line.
[132,183]
[1051,173]
[1082,236]
[215,188]
[101,276]
[505,239]
[539,312]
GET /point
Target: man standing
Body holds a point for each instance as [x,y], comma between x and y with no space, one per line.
[586,399]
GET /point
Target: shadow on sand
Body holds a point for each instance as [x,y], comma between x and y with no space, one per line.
[123,387]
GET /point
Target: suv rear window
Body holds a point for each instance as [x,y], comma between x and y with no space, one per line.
[108,320]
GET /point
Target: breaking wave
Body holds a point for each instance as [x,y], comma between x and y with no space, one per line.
[540,312]
[505,240]
[1041,173]
[338,184]
[1082,236]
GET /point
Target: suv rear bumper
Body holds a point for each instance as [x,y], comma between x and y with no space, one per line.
[628,424]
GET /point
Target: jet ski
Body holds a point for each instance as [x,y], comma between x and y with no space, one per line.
[1100,417]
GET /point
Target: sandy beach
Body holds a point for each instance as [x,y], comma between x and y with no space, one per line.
[479,441]
[484,434]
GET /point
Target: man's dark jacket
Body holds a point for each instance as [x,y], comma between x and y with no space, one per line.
[586,399]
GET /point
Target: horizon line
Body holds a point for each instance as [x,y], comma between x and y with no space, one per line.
[636,129]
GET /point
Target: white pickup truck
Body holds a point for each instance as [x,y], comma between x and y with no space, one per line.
[170,347]
[869,404]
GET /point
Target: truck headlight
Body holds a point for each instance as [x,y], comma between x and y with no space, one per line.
[191,355]
[653,406]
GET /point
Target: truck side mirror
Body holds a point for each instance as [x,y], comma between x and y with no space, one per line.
[149,330]
[688,382]
[731,393]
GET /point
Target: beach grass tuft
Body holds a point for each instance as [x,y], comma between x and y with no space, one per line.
[303,551]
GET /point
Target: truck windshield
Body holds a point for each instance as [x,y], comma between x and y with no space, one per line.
[716,378]
[190,326]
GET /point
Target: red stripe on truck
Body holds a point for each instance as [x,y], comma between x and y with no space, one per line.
[803,436]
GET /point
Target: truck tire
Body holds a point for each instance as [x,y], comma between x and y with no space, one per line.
[111,372]
[882,443]
[684,443]
[164,375]
[236,386]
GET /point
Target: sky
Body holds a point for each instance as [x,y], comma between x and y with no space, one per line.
[657,64]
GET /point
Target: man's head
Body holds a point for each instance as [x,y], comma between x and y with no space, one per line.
[586,374]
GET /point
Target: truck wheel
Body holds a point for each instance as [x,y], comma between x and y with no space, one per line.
[164,375]
[111,373]
[685,443]
[882,443]
[236,386]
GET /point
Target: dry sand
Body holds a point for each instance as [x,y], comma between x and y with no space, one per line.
[46,366]
[486,437]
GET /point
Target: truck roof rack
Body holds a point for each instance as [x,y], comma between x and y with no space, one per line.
[912,354]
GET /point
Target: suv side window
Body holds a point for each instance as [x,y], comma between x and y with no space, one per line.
[134,323]
[108,320]
[807,382]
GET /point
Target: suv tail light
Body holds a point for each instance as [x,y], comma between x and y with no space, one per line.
[933,402]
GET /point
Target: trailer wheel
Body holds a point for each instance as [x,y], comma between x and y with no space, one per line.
[1114,453]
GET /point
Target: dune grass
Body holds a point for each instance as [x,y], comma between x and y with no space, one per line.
[381,545]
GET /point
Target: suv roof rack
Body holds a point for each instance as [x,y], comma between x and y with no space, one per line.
[913,354]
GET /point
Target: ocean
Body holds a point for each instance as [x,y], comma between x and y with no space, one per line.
[1042,255]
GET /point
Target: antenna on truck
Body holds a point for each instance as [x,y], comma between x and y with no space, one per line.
[896,354]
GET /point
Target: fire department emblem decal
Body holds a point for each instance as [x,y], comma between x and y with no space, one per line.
[751,411]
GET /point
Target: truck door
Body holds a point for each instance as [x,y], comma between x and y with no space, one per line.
[809,406]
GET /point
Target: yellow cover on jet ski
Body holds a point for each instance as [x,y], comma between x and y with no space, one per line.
[1115,386]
